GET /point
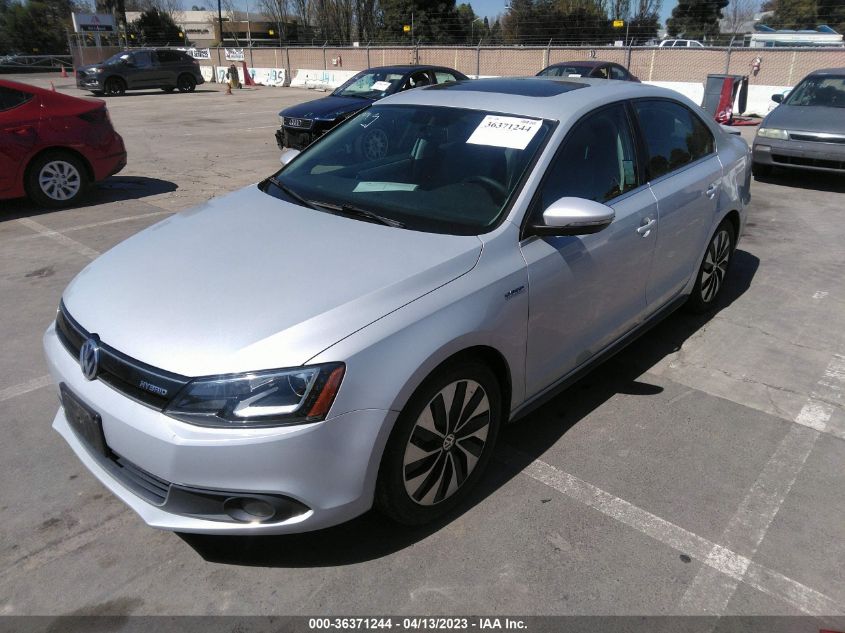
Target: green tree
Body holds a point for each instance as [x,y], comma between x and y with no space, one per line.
[807,14]
[433,21]
[696,19]
[155,28]
[39,26]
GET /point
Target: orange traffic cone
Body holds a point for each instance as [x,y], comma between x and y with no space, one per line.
[247,77]
[64,72]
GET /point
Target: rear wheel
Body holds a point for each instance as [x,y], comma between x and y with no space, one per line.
[713,270]
[115,87]
[441,444]
[186,83]
[56,179]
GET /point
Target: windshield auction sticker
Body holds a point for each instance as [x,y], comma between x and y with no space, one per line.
[505,131]
[381,86]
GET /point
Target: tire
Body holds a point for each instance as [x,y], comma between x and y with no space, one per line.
[713,269]
[56,179]
[114,87]
[186,83]
[438,450]
[760,170]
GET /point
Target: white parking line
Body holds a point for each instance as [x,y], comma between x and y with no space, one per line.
[710,592]
[72,244]
[81,227]
[24,387]
[722,559]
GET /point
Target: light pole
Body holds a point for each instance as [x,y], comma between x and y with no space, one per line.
[472,30]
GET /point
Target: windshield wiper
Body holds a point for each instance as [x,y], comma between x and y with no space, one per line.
[349,209]
[292,194]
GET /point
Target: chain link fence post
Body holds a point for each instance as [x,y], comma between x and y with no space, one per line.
[478,60]
[728,56]
[288,70]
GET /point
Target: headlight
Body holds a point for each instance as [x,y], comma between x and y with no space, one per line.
[282,120]
[99,70]
[770,132]
[259,399]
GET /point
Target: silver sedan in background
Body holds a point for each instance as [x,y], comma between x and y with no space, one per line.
[354,330]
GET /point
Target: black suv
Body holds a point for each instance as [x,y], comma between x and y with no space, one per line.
[141,69]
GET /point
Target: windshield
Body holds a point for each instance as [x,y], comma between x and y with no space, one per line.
[819,91]
[436,169]
[565,71]
[370,85]
[116,59]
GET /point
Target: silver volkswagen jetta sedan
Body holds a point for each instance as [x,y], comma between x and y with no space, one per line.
[354,331]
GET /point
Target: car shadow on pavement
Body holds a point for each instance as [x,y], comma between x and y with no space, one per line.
[114,189]
[372,536]
[799,179]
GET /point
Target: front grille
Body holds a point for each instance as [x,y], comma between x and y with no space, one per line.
[801,161]
[302,124]
[141,382]
[297,140]
[144,484]
[815,138]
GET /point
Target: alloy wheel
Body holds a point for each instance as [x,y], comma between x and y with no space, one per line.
[59,180]
[446,442]
[715,265]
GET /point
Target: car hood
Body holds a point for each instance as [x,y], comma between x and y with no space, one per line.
[330,107]
[807,118]
[248,282]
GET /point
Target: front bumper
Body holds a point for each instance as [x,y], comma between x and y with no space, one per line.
[330,467]
[89,82]
[827,157]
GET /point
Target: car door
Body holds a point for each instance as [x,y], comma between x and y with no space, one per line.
[19,120]
[586,291]
[168,66]
[144,72]
[685,176]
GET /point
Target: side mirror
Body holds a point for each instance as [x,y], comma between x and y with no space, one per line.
[574,216]
[778,98]
[288,154]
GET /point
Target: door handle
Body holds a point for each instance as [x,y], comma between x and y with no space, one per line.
[710,192]
[646,227]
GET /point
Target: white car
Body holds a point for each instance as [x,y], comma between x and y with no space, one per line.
[353,330]
[681,44]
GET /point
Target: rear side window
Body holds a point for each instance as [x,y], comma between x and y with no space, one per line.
[617,73]
[442,76]
[10,98]
[600,72]
[169,57]
[673,135]
[596,162]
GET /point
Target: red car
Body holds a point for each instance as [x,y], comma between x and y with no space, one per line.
[52,145]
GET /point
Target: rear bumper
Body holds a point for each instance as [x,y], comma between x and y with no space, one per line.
[110,160]
[826,157]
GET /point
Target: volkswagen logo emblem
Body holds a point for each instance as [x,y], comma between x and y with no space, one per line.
[89,357]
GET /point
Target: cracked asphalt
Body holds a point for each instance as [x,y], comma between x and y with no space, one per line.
[698,472]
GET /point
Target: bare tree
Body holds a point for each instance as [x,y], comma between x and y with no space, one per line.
[279,12]
[738,14]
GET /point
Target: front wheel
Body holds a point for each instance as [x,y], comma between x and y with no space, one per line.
[713,270]
[441,444]
[115,87]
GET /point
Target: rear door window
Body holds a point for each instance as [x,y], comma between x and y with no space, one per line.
[442,76]
[168,57]
[11,98]
[617,73]
[674,136]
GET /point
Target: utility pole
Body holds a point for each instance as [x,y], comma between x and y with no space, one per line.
[220,20]
[412,27]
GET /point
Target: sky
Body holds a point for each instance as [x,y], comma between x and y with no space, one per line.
[492,8]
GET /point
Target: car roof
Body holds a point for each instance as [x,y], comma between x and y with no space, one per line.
[590,63]
[828,71]
[525,96]
[404,68]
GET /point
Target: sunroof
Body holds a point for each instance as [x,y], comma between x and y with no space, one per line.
[525,87]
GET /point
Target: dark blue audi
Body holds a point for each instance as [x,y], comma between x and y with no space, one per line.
[304,123]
